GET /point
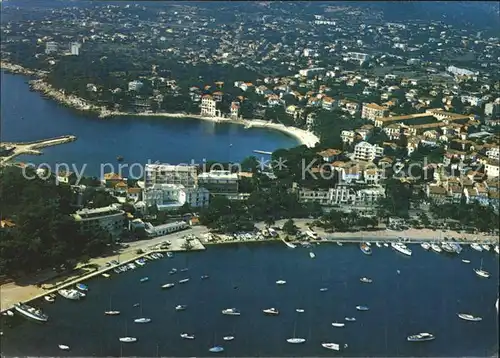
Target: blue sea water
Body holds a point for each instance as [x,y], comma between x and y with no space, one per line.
[27,116]
[425,296]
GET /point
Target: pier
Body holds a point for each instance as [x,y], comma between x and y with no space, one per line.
[262,152]
[32,147]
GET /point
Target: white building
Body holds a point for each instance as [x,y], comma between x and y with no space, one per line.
[492,168]
[493,153]
[357,56]
[174,196]
[75,48]
[135,85]
[308,72]
[186,175]
[492,109]
[219,182]
[50,47]
[371,111]
[367,152]
[165,229]
[109,218]
[208,106]
[460,71]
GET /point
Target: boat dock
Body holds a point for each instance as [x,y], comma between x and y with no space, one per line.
[262,152]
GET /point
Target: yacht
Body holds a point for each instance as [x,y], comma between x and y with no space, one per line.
[421,337]
[366,280]
[362,308]
[228,338]
[180,307]
[456,247]
[402,248]
[112,313]
[332,346]
[142,320]
[312,255]
[231,312]
[187,336]
[469,317]
[63,347]
[447,248]
[481,272]
[486,247]
[168,285]
[31,312]
[350,319]
[425,245]
[216,349]
[436,248]
[184,280]
[271,311]
[476,246]
[71,294]
[338,324]
[295,340]
[128,339]
[365,249]
[280,282]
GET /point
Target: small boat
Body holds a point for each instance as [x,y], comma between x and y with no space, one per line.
[172,271]
[289,244]
[466,261]
[469,317]
[365,249]
[216,349]
[421,337]
[496,249]
[128,339]
[8,313]
[447,248]
[144,279]
[116,270]
[112,313]
[187,336]
[106,275]
[184,280]
[180,307]
[332,346]
[119,158]
[142,320]
[295,340]
[64,347]
[368,243]
[398,272]
[168,285]
[378,244]
[480,272]
[71,294]
[436,248]
[50,298]
[476,246]
[30,312]
[82,287]
[425,245]
[170,255]
[184,269]
[386,244]
[280,282]
[231,312]
[366,280]
[131,266]
[136,305]
[299,310]
[338,324]
[204,277]
[362,308]
[312,255]
[486,247]
[228,338]
[350,319]
[323,289]
[140,262]
[271,311]
[339,243]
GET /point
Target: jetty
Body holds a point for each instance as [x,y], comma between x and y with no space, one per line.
[18,148]
[262,152]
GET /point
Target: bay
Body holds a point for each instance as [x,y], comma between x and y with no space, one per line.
[27,116]
[425,296]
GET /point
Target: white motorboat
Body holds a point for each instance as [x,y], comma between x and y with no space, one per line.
[295,340]
[168,285]
[204,277]
[71,294]
[184,280]
[338,324]
[420,337]
[312,255]
[339,243]
[280,282]
[216,349]
[366,280]
[425,245]
[299,310]
[170,255]
[362,308]
[187,336]
[323,289]
[184,269]
[486,247]
[402,248]
[496,249]
[476,246]
[271,311]
[131,266]
[228,338]
[142,320]
[180,307]
[30,312]
[332,346]
[128,339]
[172,271]
[231,312]
[289,244]
[386,244]
[144,279]
[140,262]
[480,272]
[466,261]
[63,347]
[378,244]
[106,275]
[469,317]
[112,313]
[436,248]
[50,298]
[350,319]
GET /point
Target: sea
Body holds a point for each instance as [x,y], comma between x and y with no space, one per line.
[408,295]
[27,116]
